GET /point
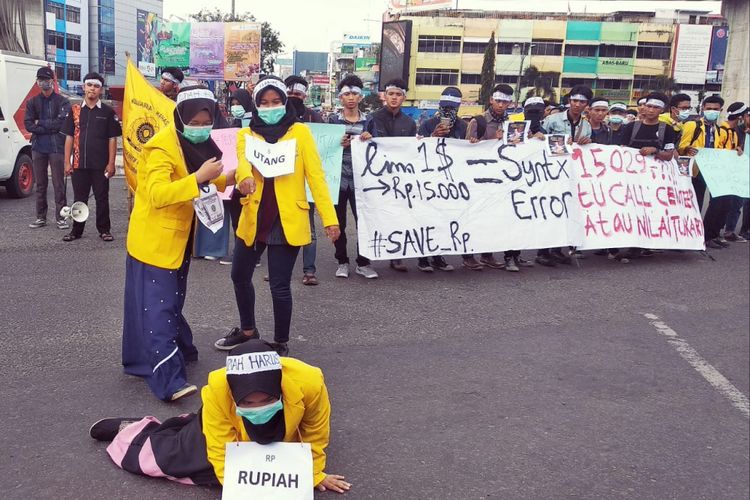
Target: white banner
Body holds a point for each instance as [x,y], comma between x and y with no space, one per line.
[271,160]
[276,471]
[446,196]
[691,53]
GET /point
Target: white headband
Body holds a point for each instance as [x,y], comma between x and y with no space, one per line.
[269,82]
[253,362]
[641,101]
[499,96]
[619,106]
[450,98]
[533,100]
[579,97]
[195,94]
[597,104]
[394,87]
[737,111]
[93,81]
[353,89]
[297,87]
[655,102]
[169,76]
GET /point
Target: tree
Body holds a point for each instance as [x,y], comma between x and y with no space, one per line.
[371,102]
[543,84]
[663,84]
[487,79]
[270,43]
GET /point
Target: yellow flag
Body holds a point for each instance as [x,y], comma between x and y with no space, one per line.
[145,111]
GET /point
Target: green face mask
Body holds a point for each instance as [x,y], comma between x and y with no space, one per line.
[272,116]
[237,111]
[261,414]
[197,134]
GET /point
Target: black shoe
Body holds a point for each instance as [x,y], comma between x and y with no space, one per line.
[234,338]
[107,428]
[723,243]
[423,264]
[601,252]
[713,244]
[558,257]
[280,347]
[183,392]
[440,264]
[545,260]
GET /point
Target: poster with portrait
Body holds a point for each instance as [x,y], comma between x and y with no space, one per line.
[557,145]
[146,28]
[517,132]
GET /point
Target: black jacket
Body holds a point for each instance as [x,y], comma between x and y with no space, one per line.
[458,131]
[44,118]
[383,123]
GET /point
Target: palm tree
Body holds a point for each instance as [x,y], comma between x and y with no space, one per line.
[543,83]
[663,84]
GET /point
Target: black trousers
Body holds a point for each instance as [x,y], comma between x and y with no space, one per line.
[699,184]
[716,216]
[340,244]
[84,180]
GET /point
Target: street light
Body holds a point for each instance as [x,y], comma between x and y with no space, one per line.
[517,48]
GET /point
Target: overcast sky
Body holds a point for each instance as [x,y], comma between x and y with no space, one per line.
[314,24]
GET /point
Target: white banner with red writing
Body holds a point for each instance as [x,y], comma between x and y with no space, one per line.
[439,196]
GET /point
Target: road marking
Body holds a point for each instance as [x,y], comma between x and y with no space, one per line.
[711,374]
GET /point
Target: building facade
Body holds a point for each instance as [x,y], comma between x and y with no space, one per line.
[619,55]
[67,40]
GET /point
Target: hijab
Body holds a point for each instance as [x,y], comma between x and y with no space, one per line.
[254,366]
[245,99]
[272,133]
[191,101]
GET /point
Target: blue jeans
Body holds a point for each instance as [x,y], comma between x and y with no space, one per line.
[281,259]
[309,251]
[733,217]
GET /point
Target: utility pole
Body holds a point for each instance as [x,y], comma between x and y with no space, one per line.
[232,9]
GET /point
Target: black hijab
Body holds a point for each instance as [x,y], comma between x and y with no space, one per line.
[193,101]
[272,133]
[254,366]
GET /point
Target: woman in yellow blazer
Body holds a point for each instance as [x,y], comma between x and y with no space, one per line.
[275,213]
[258,397]
[156,338]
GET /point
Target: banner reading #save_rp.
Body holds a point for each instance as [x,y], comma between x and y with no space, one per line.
[443,196]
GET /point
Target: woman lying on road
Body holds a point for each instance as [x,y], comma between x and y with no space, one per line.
[246,401]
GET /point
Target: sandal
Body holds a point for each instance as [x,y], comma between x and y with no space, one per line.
[309,280]
[71,237]
[106,237]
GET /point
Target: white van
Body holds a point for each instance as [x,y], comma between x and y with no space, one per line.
[17,79]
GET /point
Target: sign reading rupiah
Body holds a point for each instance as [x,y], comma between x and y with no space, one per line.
[444,196]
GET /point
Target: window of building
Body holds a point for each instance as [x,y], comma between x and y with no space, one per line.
[56,38]
[73,14]
[74,72]
[106,37]
[475,47]
[616,51]
[74,42]
[644,81]
[471,78]
[57,9]
[654,50]
[434,76]
[438,43]
[612,84]
[59,71]
[546,47]
[580,50]
[505,48]
[572,82]
[509,79]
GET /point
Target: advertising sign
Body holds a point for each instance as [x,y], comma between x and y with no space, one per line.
[173,48]
[394,51]
[691,55]
[207,51]
[146,27]
[241,51]
[718,54]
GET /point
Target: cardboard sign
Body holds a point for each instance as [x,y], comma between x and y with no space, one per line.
[271,160]
[209,208]
[276,471]
[328,140]
[226,140]
[725,172]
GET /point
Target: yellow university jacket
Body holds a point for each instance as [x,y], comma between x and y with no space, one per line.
[307,414]
[722,137]
[290,189]
[163,211]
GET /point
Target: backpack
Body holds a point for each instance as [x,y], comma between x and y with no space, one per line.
[661,132]
[481,126]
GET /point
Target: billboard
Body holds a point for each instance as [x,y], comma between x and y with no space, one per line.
[718,54]
[414,5]
[146,27]
[173,47]
[395,51]
[241,50]
[691,54]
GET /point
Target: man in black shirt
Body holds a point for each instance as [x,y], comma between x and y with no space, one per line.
[650,136]
[92,129]
[600,133]
[617,117]
[389,121]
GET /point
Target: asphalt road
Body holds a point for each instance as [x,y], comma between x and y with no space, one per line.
[546,384]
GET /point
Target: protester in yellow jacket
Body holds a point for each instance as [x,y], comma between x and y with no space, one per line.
[156,338]
[275,212]
[257,397]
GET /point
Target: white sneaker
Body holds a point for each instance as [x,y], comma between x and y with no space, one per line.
[366,271]
[210,257]
[342,271]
